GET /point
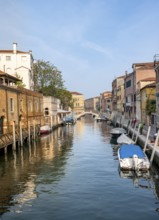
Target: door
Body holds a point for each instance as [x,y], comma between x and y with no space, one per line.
[1,125]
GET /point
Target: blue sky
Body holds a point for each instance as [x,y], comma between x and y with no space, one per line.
[91,41]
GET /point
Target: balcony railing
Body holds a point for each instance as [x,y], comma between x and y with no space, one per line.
[156,60]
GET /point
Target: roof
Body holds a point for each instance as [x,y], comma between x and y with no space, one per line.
[148,79]
[76,93]
[9,76]
[150,85]
[142,64]
[11,51]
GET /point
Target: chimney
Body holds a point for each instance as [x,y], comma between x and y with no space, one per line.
[14,47]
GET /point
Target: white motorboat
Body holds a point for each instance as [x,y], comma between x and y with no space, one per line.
[116,132]
[131,157]
[124,139]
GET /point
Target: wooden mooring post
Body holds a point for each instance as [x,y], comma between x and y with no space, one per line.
[138,131]
[134,131]
[147,138]
[29,132]
[154,148]
[14,137]
[34,129]
[21,134]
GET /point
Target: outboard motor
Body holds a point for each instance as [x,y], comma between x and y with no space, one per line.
[135,162]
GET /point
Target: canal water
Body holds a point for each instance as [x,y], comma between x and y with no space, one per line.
[73,174]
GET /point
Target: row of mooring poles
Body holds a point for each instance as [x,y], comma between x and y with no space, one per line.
[147,139]
[21,133]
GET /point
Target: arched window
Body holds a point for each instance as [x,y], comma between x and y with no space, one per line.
[46,111]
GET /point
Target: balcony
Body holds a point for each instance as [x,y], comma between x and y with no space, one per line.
[156,60]
[129,104]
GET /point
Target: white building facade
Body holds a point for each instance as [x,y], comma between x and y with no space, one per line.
[53,111]
[18,63]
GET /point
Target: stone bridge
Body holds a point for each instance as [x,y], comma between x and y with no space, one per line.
[87,113]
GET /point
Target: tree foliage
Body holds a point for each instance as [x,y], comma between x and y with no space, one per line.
[150,106]
[48,80]
[20,83]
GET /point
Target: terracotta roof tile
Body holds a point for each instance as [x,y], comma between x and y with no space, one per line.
[76,93]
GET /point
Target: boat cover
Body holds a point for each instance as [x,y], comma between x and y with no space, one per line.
[128,150]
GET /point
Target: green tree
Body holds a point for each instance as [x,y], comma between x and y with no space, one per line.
[65,97]
[150,106]
[20,83]
[48,80]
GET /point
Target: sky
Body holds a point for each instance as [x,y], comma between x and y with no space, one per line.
[90,41]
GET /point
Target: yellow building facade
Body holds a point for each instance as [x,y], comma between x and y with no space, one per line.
[147,93]
[20,106]
[78,102]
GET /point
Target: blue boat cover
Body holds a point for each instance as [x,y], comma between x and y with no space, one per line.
[128,150]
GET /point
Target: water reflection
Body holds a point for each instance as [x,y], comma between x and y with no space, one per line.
[142,179]
[139,179]
[23,169]
[73,174]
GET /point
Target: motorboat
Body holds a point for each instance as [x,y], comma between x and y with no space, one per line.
[132,157]
[70,119]
[124,139]
[116,132]
[45,129]
[100,118]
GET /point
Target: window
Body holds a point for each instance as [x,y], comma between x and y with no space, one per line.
[21,105]
[46,111]
[8,58]
[36,106]
[11,105]
[128,84]
[30,106]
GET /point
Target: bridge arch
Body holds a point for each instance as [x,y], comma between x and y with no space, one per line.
[87,113]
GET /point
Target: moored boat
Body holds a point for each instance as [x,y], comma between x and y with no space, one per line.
[124,139]
[45,129]
[70,119]
[131,157]
[116,132]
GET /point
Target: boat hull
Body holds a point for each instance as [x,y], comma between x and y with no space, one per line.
[132,159]
[45,130]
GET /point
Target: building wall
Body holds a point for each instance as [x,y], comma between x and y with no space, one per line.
[20,63]
[115,85]
[144,73]
[106,102]
[53,105]
[146,93]
[78,102]
[25,107]
[141,84]
[141,71]
[92,104]
[120,96]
